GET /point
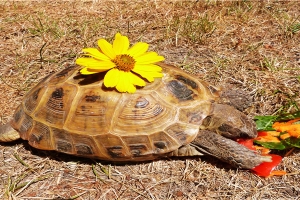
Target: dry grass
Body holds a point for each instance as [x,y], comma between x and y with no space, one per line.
[253,45]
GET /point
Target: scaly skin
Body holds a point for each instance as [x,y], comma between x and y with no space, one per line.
[228,150]
[8,134]
[219,130]
[226,122]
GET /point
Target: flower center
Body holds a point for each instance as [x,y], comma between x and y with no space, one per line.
[124,62]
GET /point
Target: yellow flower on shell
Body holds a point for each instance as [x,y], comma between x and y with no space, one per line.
[126,65]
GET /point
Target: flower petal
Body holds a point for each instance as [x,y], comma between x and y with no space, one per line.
[95,53]
[106,48]
[131,89]
[86,71]
[135,80]
[138,49]
[111,78]
[149,57]
[127,82]
[123,83]
[120,44]
[147,68]
[95,64]
[129,79]
[149,75]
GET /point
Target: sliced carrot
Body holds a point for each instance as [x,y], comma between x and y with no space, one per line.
[263,150]
[273,133]
[290,127]
[278,173]
[284,136]
[267,138]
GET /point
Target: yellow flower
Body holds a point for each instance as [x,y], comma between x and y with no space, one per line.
[126,65]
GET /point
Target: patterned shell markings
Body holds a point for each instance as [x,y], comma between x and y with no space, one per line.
[76,114]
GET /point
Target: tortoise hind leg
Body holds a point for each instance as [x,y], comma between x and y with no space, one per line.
[228,150]
[8,134]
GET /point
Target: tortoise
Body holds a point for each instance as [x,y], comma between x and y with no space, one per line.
[177,115]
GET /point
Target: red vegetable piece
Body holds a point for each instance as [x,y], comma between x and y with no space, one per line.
[247,143]
[265,168]
[262,133]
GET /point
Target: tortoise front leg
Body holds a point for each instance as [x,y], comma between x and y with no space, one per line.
[228,150]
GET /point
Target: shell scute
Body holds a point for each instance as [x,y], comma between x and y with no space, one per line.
[63,140]
[62,76]
[31,101]
[19,112]
[22,122]
[40,137]
[176,92]
[84,145]
[195,114]
[138,146]
[187,81]
[64,146]
[138,113]
[84,149]
[92,111]
[116,152]
[26,125]
[111,146]
[55,105]
[163,142]
[76,114]
[183,133]
[180,91]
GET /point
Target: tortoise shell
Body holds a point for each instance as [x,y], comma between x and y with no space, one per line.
[75,114]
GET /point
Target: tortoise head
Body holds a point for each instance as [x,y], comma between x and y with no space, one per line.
[229,122]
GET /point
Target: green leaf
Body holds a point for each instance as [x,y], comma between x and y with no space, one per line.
[289,116]
[297,122]
[272,145]
[264,123]
[293,141]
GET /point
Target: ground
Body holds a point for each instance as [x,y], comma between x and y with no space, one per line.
[251,45]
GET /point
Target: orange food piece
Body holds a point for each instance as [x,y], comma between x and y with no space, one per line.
[263,150]
[267,138]
[290,127]
[277,173]
[271,133]
[284,136]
